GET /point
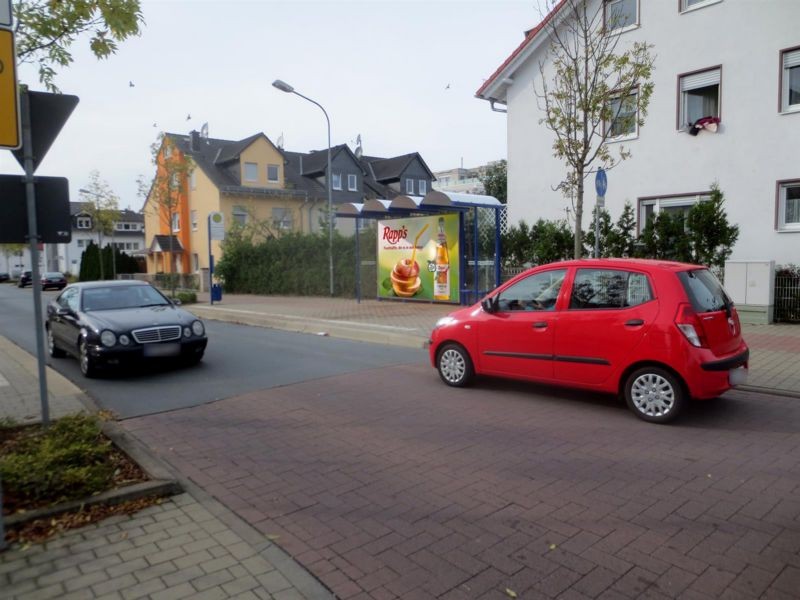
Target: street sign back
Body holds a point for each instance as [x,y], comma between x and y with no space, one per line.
[9,96]
[5,13]
[48,113]
[53,220]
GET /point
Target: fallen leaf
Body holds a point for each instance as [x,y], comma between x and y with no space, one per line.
[552,546]
[511,593]
[273,536]
[123,535]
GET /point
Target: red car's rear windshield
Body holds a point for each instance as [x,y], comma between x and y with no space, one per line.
[704,291]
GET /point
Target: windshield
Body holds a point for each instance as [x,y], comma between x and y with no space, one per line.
[53,275]
[125,296]
[704,290]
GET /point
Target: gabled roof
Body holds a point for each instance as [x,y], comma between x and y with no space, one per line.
[125,215]
[390,169]
[530,36]
[233,150]
[160,243]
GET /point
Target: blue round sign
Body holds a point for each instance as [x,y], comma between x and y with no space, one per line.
[601,182]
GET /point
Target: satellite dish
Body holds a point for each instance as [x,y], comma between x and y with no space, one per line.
[204,131]
[280,141]
[358,151]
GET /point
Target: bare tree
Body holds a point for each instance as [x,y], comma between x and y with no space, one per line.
[102,204]
[163,193]
[589,92]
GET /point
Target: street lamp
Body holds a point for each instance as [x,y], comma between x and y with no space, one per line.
[285,87]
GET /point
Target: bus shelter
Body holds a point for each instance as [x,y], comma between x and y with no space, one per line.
[479,225]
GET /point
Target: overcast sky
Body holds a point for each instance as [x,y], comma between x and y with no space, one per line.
[380,68]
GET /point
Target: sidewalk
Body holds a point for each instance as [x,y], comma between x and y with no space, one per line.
[774,349]
[190,546]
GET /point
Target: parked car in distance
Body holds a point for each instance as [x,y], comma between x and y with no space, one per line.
[655,332]
[25,278]
[107,323]
[4,277]
[54,279]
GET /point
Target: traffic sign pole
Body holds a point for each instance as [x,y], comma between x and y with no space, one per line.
[600,184]
[33,236]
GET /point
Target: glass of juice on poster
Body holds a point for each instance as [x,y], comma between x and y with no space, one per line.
[405,274]
[441,277]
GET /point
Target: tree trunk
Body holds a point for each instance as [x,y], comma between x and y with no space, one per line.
[579,215]
[100,246]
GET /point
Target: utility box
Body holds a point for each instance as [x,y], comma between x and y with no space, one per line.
[751,284]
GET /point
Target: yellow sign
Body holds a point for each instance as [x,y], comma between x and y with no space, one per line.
[9,93]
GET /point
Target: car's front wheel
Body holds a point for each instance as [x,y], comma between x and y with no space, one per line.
[52,348]
[654,394]
[454,365]
[88,363]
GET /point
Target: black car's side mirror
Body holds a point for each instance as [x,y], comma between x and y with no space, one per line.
[176,301]
[61,311]
[488,304]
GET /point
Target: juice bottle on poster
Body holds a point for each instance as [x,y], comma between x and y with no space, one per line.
[441,279]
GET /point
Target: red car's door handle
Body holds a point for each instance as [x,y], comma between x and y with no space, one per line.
[634,323]
[540,325]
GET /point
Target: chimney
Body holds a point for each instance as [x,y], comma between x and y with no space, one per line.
[194,140]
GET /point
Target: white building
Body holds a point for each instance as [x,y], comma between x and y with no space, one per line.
[738,60]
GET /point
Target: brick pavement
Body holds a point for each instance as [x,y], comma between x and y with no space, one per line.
[166,552]
[388,484]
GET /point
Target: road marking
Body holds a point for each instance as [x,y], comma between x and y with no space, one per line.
[309,319]
[3,381]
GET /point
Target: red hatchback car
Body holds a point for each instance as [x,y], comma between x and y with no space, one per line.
[655,332]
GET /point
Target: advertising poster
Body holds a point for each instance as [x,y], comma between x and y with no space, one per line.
[418,258]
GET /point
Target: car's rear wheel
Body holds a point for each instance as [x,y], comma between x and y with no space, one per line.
[52,348]
[88,363]
[455,366]
[654,394]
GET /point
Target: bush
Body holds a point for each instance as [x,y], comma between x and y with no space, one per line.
[68,460]
[186,296]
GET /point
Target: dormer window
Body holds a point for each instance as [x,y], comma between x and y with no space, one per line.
[410,186]
[352,183]
[250,171]
[336,181]
[84,223]
[423,187]
[272,173]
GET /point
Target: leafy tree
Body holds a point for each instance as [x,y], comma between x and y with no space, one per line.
[711,237]
[163,193]
[606,233]
[517,245]
[46,29]
[103,206]
[552,241]
[586,90]
[495,181]
[665,237]
[622,239]
[90,263]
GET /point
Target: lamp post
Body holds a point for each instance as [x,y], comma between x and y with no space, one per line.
[285,87]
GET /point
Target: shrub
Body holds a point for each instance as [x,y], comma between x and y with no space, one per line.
[68,460]
[186,296]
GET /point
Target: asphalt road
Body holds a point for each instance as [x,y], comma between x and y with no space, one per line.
[238,359]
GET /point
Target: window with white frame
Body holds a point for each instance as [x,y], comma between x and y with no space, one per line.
[336,182]
[135,245]
[352,182]
[195,262]
[671,205]
[789,205]
[81,243]
[272,173]
[239,215]
[690,4]
[192,180]
[84,223]
[621,14]
[409,186]
[250,171]
[193,217]
[624,113]
[176,222]
[699,96]
[423,187]
[790,80]
[282,218]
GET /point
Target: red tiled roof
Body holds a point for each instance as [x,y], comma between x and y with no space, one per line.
[530,35]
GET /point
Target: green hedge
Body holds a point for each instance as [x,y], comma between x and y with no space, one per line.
[294,264]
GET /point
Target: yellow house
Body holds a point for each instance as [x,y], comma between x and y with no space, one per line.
[245,180]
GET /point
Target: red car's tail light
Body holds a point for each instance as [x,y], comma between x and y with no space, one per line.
[690,326]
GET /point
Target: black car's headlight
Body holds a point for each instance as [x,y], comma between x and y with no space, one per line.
[108,338]
[197,328]
[187,332]
[124,340]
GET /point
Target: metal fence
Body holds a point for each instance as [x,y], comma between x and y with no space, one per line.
[787,298]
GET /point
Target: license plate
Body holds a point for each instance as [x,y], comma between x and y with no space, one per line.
[162,350]
[737,376]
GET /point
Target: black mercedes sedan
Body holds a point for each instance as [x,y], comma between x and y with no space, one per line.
[106,323]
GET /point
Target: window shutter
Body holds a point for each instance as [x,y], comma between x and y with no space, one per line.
[700,80]
[791,59]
